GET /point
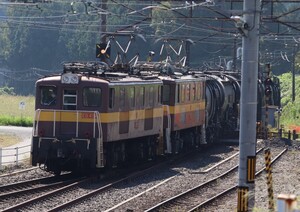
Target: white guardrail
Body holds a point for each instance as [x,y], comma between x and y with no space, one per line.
[15,155]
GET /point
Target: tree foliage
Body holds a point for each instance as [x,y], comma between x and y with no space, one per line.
[291,110]
[44,36]
[47,43]
[161,16]
[7,91]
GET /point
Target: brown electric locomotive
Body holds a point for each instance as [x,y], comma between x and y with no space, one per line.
[87,120]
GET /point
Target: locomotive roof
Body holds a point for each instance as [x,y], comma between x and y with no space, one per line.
[183,78]
[111,78]
[145,72]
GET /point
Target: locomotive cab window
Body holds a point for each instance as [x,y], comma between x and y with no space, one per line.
[188,92]
[122,97]
[70,99]
[159,94]
[151,97]
[166,94]
[132,97]
[111,98]
[48,95]
[182,92]
[92,97]
[193,92]
[142,96]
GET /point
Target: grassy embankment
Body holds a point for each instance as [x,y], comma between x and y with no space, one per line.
[12,114]
[290,116]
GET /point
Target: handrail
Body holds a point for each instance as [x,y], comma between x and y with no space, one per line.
[96,122]
[97,125]
[100,160]
[13,153]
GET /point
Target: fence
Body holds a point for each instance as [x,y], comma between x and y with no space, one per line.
[14,155]
[291,135]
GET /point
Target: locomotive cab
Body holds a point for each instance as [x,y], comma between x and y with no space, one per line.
[67,132]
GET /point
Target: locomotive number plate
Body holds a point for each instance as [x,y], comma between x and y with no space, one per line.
[87,115]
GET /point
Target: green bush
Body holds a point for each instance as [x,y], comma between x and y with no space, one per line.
[16,121]
[7,91]
[290,110]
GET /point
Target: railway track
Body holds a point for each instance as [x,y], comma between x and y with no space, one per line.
[18,172]
[67,197]
[110,185]
[189,200]
[17,195]
[113,188]
[38,195]
[123,206]
[50,197]
[233,188]
[18,189]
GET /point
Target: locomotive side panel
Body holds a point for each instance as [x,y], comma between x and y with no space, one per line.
[187,109]
[136,112]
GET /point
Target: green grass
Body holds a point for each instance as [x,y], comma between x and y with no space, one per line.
[290,116]
[12,114]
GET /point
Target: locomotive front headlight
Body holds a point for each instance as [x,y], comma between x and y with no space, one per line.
[74,79]
[65,79]
[69,78]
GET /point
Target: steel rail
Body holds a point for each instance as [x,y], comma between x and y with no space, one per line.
[221,194]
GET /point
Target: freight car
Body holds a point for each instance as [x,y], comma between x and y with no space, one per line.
[92,116]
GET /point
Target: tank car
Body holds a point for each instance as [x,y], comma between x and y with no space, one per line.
[222,95]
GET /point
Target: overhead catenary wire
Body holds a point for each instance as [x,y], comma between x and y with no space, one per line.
[66,21]
[176,7]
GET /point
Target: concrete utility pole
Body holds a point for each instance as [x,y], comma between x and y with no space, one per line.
[187,44]
[295,50]
[103,21]
[249,27]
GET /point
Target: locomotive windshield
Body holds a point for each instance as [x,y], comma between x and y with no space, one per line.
[48,95]
[92,97]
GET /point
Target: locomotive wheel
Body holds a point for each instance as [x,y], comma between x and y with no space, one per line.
[142,151]
[109,155]
[151,146]
[57,171]
[116,155]
[177,143]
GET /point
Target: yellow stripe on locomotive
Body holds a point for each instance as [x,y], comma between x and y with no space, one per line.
[88,116]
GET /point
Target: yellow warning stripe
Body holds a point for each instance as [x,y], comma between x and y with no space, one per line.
[187,107]
[110,117]
[242,199]
[89,117]
[251,162]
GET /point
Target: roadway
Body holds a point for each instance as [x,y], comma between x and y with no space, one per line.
[23,147]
